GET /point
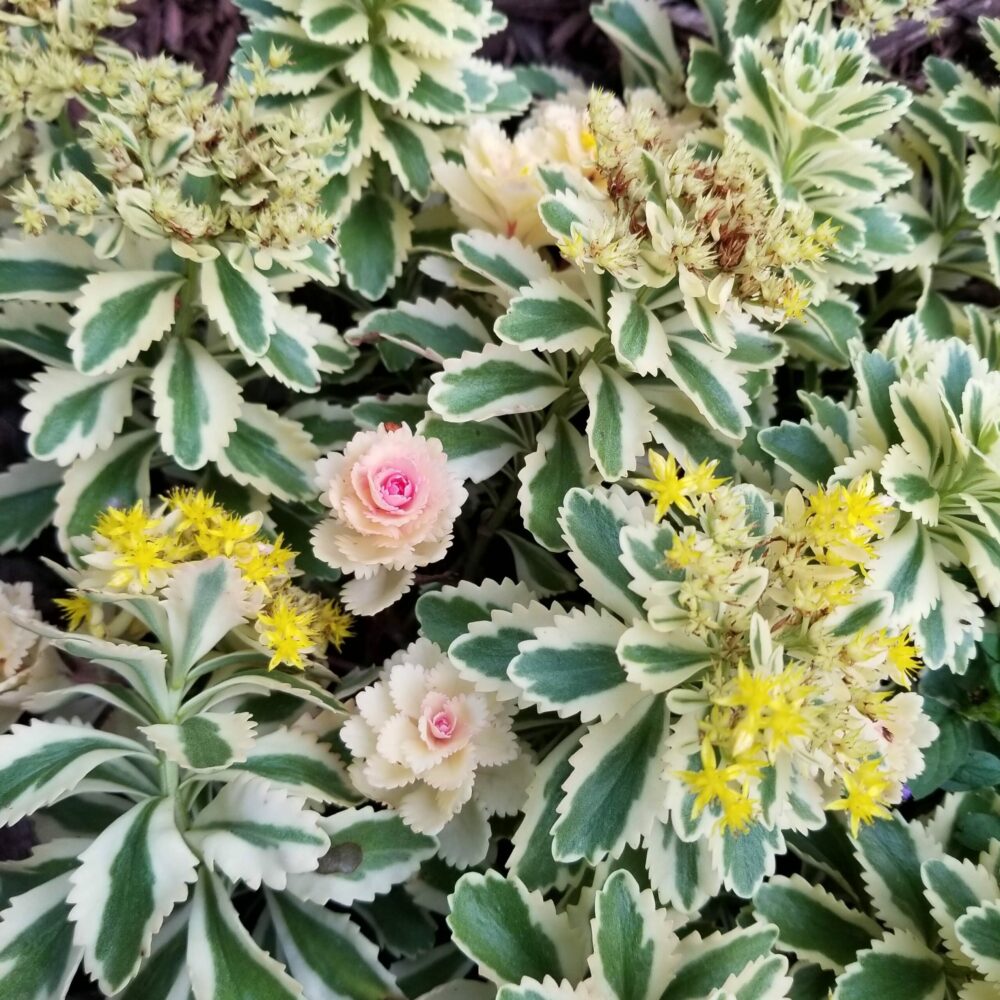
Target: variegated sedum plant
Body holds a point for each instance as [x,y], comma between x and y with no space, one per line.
[160,224]
[168,795]
[402,74]
[577,565]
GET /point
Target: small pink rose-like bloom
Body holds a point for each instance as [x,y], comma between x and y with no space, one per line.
[393,502]
[427,743]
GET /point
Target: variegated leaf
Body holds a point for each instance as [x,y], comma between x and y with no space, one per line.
[270,453]
[369,852]
[509,932]
[38,958]
[571,667]
[27,501]
[561,461]
[253,833]
[117,476]
[223,959]
[128,881]
[326,952]
[497,380]
[70,416]
[615,787]
[620,420]
[196,403]
[45,761]
[240,302]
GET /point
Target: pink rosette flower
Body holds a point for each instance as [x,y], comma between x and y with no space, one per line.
[443,754]
[393,502]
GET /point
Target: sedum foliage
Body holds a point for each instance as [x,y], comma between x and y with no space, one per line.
[656,431]
[197,800]
[400,72]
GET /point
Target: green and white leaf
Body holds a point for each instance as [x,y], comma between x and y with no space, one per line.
[38,958]
[571,667]
[70,416]
[900,963]
[326,952]
[44,761]
[979,933]
[117,476]
[812,923]
[658,661]
[615,789]
[446,614]
[808,452]
[620,421]
[891,853]
[127,882]
[560,461]
[548,316]
[204,601]
[537,568]
[511,933]
[683,873]
[497,380]
[640,342]
[633,940]
[224,962]
[705,964]
[953,887]
[330,425]
[143,668]
[506,262]
[38,330]
[531,857]
[476,450]
[163,976]
[713,382]
[375,239]
[205,742]
[270,453]
[369,852]
[255,833]
[642,32]
[27,501]
[49,268]
[299,763]
[592,522]
[118,315]
[484,653]
[196,403]
[258,680]
[310,61]
[434,329]
[410,149]
[239,300]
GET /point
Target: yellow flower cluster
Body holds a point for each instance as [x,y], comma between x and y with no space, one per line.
[714,222]
[179,163]
[788,688]
[133,551]
[681,490]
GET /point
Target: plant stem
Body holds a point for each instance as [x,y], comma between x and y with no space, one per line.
[486,532]
[185,308]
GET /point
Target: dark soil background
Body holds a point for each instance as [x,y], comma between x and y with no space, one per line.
[543,31]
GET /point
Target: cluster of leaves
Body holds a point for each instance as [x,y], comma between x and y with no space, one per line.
[707,373]
[158,831]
